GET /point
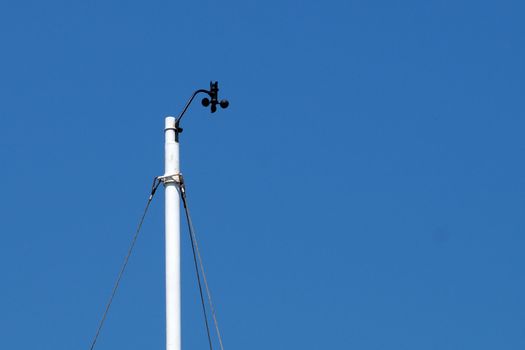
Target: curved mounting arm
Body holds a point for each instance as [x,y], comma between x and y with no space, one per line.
[212,102]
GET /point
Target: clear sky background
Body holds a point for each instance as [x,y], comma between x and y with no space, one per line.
[365,189]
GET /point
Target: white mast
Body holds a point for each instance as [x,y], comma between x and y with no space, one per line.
[173,183]
[173,295]
[172,180]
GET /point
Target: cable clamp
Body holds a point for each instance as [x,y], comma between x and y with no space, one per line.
[175,178]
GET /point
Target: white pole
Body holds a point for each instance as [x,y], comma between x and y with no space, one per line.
[173,299]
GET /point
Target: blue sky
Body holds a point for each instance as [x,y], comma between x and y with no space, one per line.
[365,189]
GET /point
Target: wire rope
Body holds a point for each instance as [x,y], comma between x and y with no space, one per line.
[197,259]
[155,185]
[197,255]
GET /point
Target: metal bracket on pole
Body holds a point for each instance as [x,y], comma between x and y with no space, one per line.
[174,178]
